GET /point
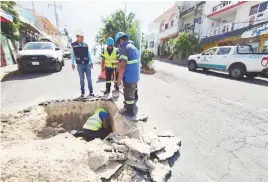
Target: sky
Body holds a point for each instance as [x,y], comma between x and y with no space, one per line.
[87,15]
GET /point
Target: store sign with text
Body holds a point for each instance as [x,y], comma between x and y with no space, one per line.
[256,31]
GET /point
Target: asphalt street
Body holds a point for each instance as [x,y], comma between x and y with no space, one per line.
[222,122]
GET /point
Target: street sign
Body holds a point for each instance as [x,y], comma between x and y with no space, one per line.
[256,31]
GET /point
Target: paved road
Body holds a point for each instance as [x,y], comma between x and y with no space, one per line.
[223,123]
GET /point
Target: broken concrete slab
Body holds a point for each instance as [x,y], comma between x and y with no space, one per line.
[119,148]
[156,146]
[108,171]
[167,152]
[137,145]
[158,172]
[167,133]
[137,164]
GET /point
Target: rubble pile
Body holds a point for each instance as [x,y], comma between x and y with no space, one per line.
[26,155]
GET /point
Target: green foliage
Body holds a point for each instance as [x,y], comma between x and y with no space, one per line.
[120,21]
[11,29]
[146,58]
[185,44]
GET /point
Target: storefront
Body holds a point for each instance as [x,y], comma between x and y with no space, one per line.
[256,36]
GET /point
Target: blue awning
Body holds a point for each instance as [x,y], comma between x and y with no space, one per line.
[233,33]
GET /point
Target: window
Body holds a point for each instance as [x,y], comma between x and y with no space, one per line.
[210,51]
[223,51]
[254,10]
[265,45]
[263,6]
[34,46]
[152,44]
[172,23]
[186,25]
[166,26]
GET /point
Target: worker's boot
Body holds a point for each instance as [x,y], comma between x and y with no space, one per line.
[128,110]
[106,92]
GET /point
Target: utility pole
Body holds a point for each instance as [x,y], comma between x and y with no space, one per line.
[56,14]
[195,13]
[33,8]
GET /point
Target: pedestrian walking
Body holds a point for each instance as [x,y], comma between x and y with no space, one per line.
[128,71]
[81,56]
[109,63]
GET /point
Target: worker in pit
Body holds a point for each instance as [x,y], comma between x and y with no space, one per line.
[97,126]
[109,63]
[128,71]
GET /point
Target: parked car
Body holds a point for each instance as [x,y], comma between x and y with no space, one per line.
[40,56]
[238,60]
[67,53]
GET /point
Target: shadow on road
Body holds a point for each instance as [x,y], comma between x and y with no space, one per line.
[18,76]
[255,81]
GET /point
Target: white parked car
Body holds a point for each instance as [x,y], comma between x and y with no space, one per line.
[40,56]
[238,60]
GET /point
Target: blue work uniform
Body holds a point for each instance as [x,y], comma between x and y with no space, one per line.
[82,57]
[129,54]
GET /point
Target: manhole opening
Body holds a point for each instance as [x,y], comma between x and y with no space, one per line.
[72,115]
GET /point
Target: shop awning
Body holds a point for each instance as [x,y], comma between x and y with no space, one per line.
[6,17]
[31,27]
[234,33]
[256,31]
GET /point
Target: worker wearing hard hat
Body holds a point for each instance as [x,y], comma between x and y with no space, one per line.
[128,70]
[109,63]
[96,126]
[81,56]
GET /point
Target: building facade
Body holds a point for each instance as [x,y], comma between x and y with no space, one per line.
[216,23]
[228,22]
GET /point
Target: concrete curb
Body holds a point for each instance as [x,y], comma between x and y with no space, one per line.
[7,74]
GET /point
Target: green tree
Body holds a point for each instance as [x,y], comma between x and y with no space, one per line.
[185,44]
[11,29]
[119,21]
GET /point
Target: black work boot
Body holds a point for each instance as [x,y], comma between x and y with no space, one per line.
[106,92]
[130,110]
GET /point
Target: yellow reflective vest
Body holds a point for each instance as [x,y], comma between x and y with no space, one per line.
[110,60]
[94,122]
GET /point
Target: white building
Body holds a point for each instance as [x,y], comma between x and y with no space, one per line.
[225,21]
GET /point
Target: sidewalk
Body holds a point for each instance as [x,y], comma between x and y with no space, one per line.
[6,70]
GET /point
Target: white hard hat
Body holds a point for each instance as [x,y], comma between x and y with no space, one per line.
[79,32]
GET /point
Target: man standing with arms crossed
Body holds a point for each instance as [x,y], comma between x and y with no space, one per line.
[109,63]
[82,57]
[128,70]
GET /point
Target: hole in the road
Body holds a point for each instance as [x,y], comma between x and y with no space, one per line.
[71,115]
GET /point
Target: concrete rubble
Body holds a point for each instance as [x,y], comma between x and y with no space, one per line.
[51,153]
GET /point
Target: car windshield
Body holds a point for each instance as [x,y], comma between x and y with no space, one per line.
[36,46]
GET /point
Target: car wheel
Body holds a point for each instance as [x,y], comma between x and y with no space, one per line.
[58,66]
[237,71]
[192,66]
[252,75]
[205,69]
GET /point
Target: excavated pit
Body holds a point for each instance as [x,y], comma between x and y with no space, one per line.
[72,114]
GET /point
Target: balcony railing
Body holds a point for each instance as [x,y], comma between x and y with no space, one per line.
[188,29]
[191,8]
[169,31]
[231,26]
[223,5]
